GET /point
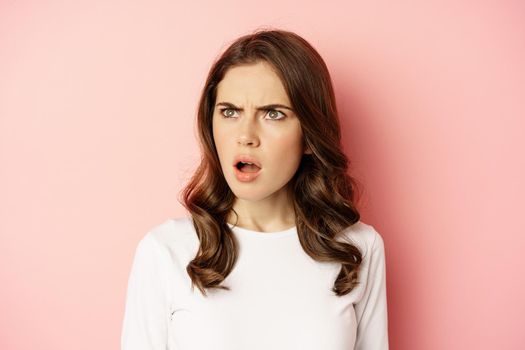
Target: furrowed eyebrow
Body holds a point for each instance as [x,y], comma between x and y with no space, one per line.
[261,108]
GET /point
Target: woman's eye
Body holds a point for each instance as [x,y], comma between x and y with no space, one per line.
[275,114]
[227,114]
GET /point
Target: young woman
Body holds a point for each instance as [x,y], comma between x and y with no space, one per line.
[274,242]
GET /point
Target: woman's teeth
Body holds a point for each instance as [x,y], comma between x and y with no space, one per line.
[248,167]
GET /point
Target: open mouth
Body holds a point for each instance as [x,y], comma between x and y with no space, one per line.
[247,167]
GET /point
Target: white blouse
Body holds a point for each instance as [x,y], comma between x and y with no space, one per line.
[279,297]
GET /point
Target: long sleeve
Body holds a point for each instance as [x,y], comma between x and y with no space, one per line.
[146,313]
[371,310]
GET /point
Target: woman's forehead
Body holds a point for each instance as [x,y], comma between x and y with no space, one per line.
[254,83]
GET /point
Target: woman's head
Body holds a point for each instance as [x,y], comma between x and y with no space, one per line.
[300,155]
[259,69]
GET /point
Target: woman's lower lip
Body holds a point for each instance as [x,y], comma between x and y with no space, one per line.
[245,177]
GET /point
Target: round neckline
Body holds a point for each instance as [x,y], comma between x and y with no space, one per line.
[260,234]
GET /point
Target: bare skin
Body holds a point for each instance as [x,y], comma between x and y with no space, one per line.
[274,137]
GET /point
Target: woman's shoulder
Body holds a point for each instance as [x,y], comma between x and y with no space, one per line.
[364,236]
[174,234]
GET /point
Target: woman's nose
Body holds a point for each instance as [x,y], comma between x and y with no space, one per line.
[248,130]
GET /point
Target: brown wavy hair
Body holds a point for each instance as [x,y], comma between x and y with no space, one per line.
[324,194]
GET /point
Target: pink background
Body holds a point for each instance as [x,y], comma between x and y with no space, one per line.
[97,136]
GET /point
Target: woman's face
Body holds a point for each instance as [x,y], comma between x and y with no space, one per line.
[242,126]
